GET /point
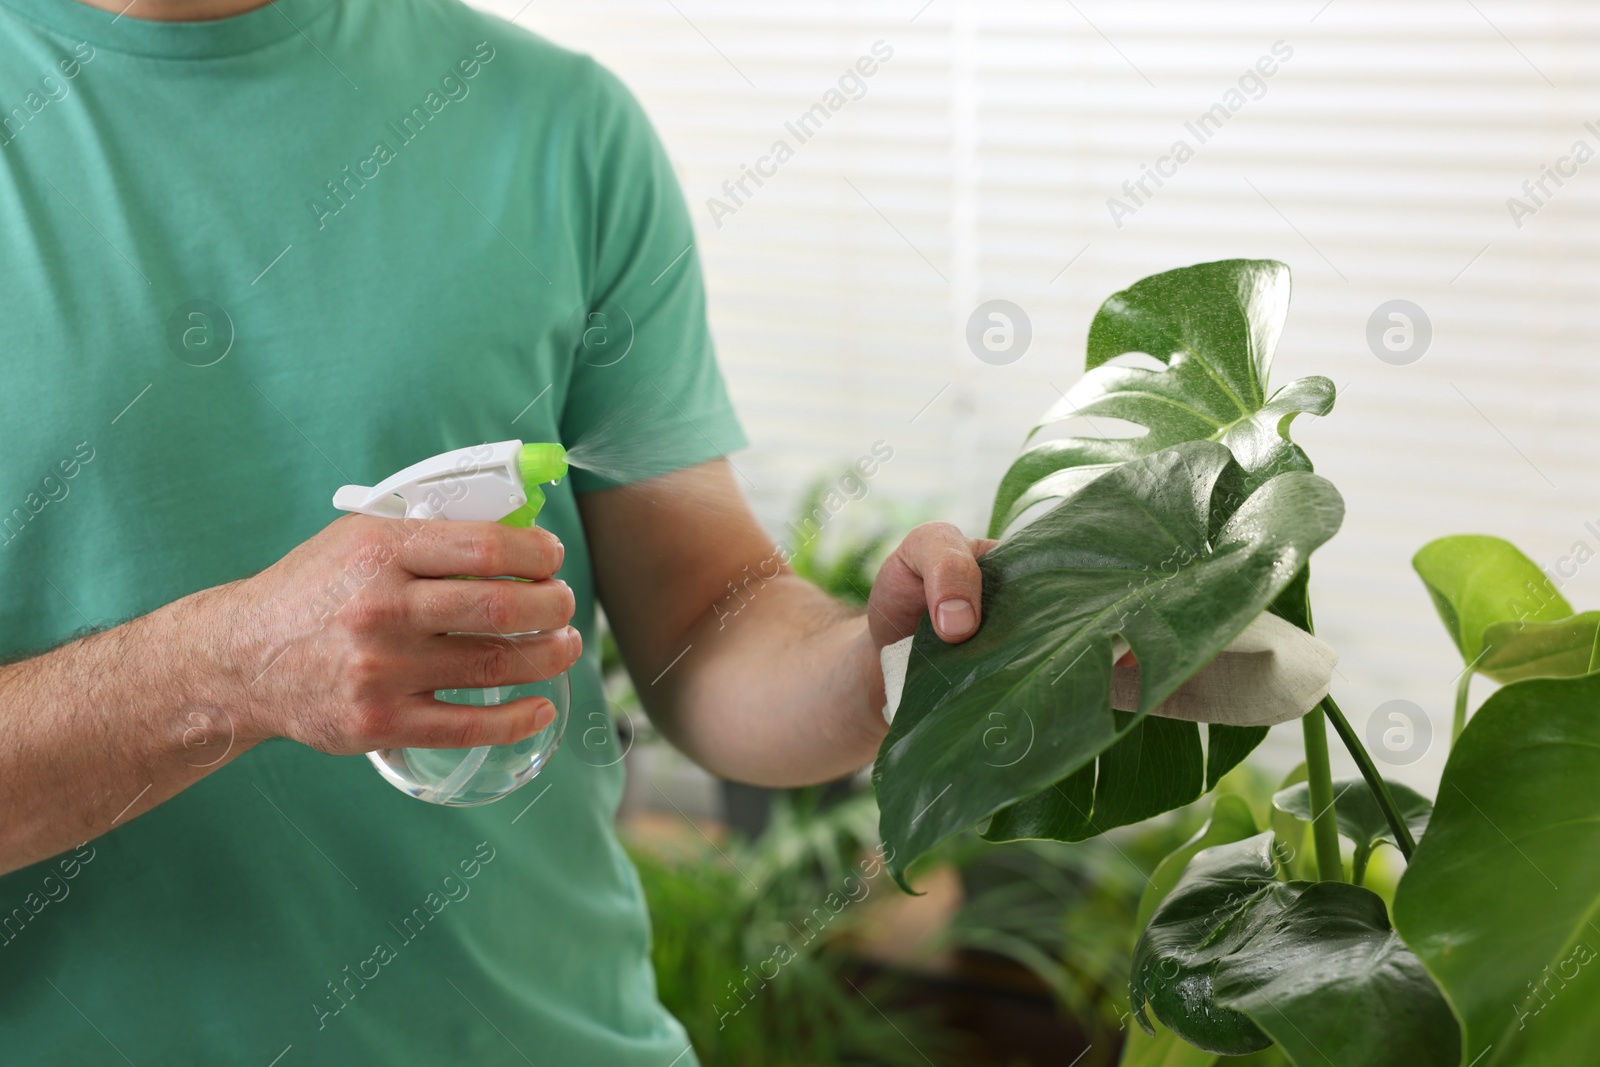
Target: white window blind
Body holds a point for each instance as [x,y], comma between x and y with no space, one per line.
[980,159]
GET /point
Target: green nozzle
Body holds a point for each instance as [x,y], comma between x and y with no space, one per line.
[539,462]
[542,462]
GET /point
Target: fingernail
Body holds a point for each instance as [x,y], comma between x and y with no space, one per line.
[544,716]
[956,618]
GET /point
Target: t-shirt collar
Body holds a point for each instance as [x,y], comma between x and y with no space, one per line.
[178,40]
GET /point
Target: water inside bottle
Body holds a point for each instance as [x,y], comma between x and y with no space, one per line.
[466,777]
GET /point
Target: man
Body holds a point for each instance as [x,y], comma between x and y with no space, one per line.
[252,253]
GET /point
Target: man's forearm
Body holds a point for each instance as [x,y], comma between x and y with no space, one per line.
[340,645]
[757,675]
[781,689]
[102,729]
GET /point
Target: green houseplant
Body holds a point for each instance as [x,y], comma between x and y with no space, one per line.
[1174,541]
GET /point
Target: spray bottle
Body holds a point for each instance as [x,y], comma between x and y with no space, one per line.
[486,483]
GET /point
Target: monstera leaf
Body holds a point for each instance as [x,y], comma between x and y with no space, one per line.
[1360,818]
[1502,896]
[1139,554]
[1226,895]
[1234,960]
[1215,326]
[1332,983]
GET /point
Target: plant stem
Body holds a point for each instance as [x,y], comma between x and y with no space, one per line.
[1460,722]
[1375,782]
[1319,779]
[1358,865]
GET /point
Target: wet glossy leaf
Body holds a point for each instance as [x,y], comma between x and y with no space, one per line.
[1333,984]
[1215,326]
[1501,898]
[1234,960]
[1156,766]
[1135,555]
[1225,896]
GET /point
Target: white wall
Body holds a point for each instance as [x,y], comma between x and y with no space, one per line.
[978,164]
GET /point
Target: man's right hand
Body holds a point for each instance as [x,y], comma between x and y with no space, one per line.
[341,644]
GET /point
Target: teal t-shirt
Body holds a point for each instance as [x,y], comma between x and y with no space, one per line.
[245,262]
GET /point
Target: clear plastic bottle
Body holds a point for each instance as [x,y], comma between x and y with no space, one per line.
[494,482]
[465,777]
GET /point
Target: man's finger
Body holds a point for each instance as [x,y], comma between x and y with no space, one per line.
[467,605]
[944,559]
[481,549]
[463,661]
[424,722]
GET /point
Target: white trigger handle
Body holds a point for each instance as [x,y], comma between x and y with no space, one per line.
[478,483]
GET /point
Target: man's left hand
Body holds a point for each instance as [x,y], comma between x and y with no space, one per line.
[934,570]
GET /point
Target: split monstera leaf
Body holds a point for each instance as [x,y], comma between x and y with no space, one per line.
[1010,723]
[1173,542]
[1215,326]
